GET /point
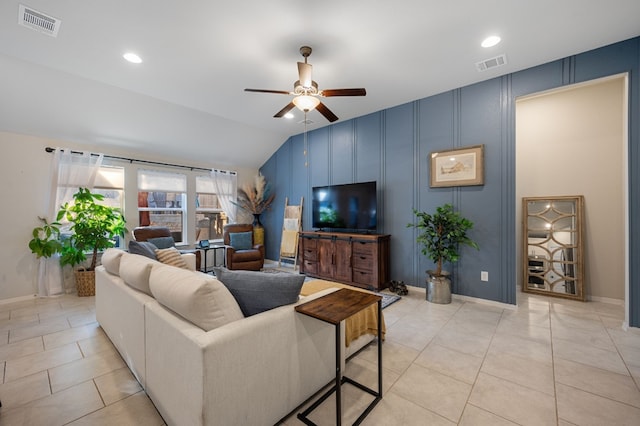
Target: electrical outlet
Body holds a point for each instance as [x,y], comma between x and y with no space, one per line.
[484,276]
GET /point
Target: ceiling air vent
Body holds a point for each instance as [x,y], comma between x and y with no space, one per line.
[38,21]
[498,61]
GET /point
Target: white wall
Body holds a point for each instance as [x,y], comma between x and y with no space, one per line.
[570,142]
[24,172]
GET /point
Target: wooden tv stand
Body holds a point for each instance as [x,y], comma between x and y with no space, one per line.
[361,260]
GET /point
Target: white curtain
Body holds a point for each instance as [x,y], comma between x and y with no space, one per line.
[225,184]
[69,172]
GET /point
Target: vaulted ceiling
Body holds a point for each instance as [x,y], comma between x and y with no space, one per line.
[185,101]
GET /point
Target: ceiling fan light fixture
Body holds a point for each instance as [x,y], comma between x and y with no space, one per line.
[306,103]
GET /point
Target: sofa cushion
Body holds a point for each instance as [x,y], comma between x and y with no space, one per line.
[162,242]
[135,270]
[257,292]
[111,260]
[241,240]
[144,248]
[171,256]
[199,298]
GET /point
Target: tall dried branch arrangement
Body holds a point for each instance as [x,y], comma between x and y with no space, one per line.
[257,197]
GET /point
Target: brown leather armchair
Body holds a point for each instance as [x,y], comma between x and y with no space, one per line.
[251,259]
[144,233]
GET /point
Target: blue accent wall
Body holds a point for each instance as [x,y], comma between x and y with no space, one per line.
[392,148]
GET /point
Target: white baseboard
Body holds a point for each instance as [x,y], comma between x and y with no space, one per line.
[484,301]
[610,300]
[18,299]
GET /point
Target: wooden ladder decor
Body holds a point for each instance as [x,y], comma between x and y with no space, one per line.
[292,224]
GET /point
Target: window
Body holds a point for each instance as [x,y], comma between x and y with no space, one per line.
[210,217]
[109,182]
[162,201]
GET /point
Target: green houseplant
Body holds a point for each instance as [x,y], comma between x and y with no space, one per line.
[441,235]
[92,228]
[45,241]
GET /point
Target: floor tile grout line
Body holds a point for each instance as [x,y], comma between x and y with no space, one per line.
[626,366]
[601,396]
[475,380]
[491,412]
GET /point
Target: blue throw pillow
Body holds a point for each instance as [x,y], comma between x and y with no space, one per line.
[162,242]
[143,248]
[241,240]
[257,292]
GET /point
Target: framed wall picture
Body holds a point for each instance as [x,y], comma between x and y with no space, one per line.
[457,167]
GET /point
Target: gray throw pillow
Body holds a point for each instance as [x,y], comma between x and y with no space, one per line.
[241,240]
[143,248]
[257,292]
[162,242]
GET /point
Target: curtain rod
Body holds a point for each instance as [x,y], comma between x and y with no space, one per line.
[134,160]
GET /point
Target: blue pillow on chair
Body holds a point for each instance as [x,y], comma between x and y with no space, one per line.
[241,240]
[162,242]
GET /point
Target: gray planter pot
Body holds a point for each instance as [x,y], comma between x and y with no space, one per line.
[438,288]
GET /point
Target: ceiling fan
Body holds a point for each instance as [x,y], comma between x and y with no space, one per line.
[306,91]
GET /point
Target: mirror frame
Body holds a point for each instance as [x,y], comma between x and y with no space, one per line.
[547,288]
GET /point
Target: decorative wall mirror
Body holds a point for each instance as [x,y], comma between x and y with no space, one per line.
[553,246]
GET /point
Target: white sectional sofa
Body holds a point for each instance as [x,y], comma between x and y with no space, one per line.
[242,371]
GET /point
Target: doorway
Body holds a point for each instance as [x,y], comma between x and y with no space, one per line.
[573,141]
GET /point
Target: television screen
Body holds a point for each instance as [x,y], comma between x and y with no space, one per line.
[350,207]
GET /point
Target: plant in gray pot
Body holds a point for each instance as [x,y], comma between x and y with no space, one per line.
[441,234]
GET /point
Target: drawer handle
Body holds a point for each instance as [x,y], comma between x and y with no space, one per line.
[362,257]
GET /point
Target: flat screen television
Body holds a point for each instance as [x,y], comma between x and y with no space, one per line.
[349,207]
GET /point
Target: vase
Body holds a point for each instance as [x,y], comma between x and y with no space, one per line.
[258,230]
[438,288]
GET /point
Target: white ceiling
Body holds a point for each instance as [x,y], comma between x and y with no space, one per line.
[186,100]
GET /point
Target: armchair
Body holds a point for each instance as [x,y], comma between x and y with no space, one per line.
[249,256]
[145,233]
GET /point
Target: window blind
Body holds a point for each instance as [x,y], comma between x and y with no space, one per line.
[152,180]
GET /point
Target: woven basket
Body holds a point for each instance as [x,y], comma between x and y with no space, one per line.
[85,282]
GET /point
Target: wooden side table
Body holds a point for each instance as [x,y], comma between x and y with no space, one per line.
[334,308]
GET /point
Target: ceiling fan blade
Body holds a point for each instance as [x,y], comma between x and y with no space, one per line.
[304,74]
[279,92]
[284,110]
[343,92]
[322,109]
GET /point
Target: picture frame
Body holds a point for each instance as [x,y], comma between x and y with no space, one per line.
[457,167]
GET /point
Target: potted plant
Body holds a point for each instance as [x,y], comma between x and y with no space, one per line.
[441,234]
[255,199]
[93,228]
[45,240]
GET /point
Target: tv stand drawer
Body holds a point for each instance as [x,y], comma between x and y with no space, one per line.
[310,267]
[364,248]
[363,262]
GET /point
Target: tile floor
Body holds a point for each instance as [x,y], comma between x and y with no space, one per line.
[547,362]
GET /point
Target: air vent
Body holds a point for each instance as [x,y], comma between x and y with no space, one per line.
[498,61]
[38,21]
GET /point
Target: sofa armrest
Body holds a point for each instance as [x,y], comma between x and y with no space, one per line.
[245,360]
[190,259]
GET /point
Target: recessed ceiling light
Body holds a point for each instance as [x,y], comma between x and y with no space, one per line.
[490,41]
[132,57]
[288,115]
